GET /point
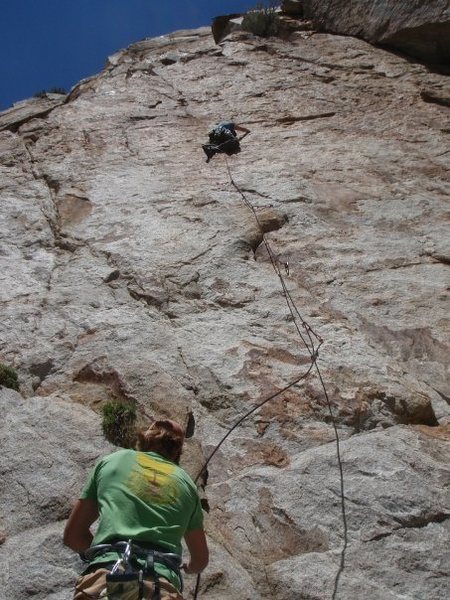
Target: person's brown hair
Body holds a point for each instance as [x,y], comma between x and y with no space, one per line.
[165,437]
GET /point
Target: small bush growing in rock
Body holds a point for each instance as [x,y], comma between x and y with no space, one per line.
[8,377]
[262,20]
[119,423]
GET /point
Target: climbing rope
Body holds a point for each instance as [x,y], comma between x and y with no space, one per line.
[312,342]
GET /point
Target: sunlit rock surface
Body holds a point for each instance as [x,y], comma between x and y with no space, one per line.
[130,269]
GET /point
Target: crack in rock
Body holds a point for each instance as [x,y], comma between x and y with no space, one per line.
[412,522]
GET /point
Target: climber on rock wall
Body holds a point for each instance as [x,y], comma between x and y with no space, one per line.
[223,138]
[145,504]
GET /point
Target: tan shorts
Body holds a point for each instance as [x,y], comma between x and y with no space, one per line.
[93,586]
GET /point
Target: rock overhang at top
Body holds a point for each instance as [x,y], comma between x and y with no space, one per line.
[415,27]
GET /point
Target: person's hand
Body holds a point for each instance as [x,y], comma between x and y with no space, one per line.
[185,568]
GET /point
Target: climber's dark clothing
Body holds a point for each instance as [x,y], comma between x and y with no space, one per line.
[223,138]
[222,131]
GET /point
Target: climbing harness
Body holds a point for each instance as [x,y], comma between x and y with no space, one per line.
[135,564]
[312,342]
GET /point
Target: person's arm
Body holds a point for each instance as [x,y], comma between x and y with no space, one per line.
[77,535]
[243,129]
[198,550]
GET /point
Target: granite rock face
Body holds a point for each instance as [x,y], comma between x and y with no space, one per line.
[418,28]
[132,270]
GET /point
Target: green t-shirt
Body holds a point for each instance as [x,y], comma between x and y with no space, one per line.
[144,497]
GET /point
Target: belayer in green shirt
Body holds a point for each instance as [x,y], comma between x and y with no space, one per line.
[146,504]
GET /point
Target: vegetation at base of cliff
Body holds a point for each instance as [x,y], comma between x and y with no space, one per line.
[8,377]
[119,423]
[53,90]
[263,20]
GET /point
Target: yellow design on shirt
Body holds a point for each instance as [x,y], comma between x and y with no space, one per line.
[152,480]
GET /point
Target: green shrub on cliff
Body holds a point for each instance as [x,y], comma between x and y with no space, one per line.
[263,20]
[8,377]
[119,423]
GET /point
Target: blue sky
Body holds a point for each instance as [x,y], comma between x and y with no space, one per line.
[55,43]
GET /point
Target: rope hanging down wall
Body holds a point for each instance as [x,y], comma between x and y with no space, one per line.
[312,342]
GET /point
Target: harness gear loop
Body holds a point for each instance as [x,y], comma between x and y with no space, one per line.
[150,570]
[141,584]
